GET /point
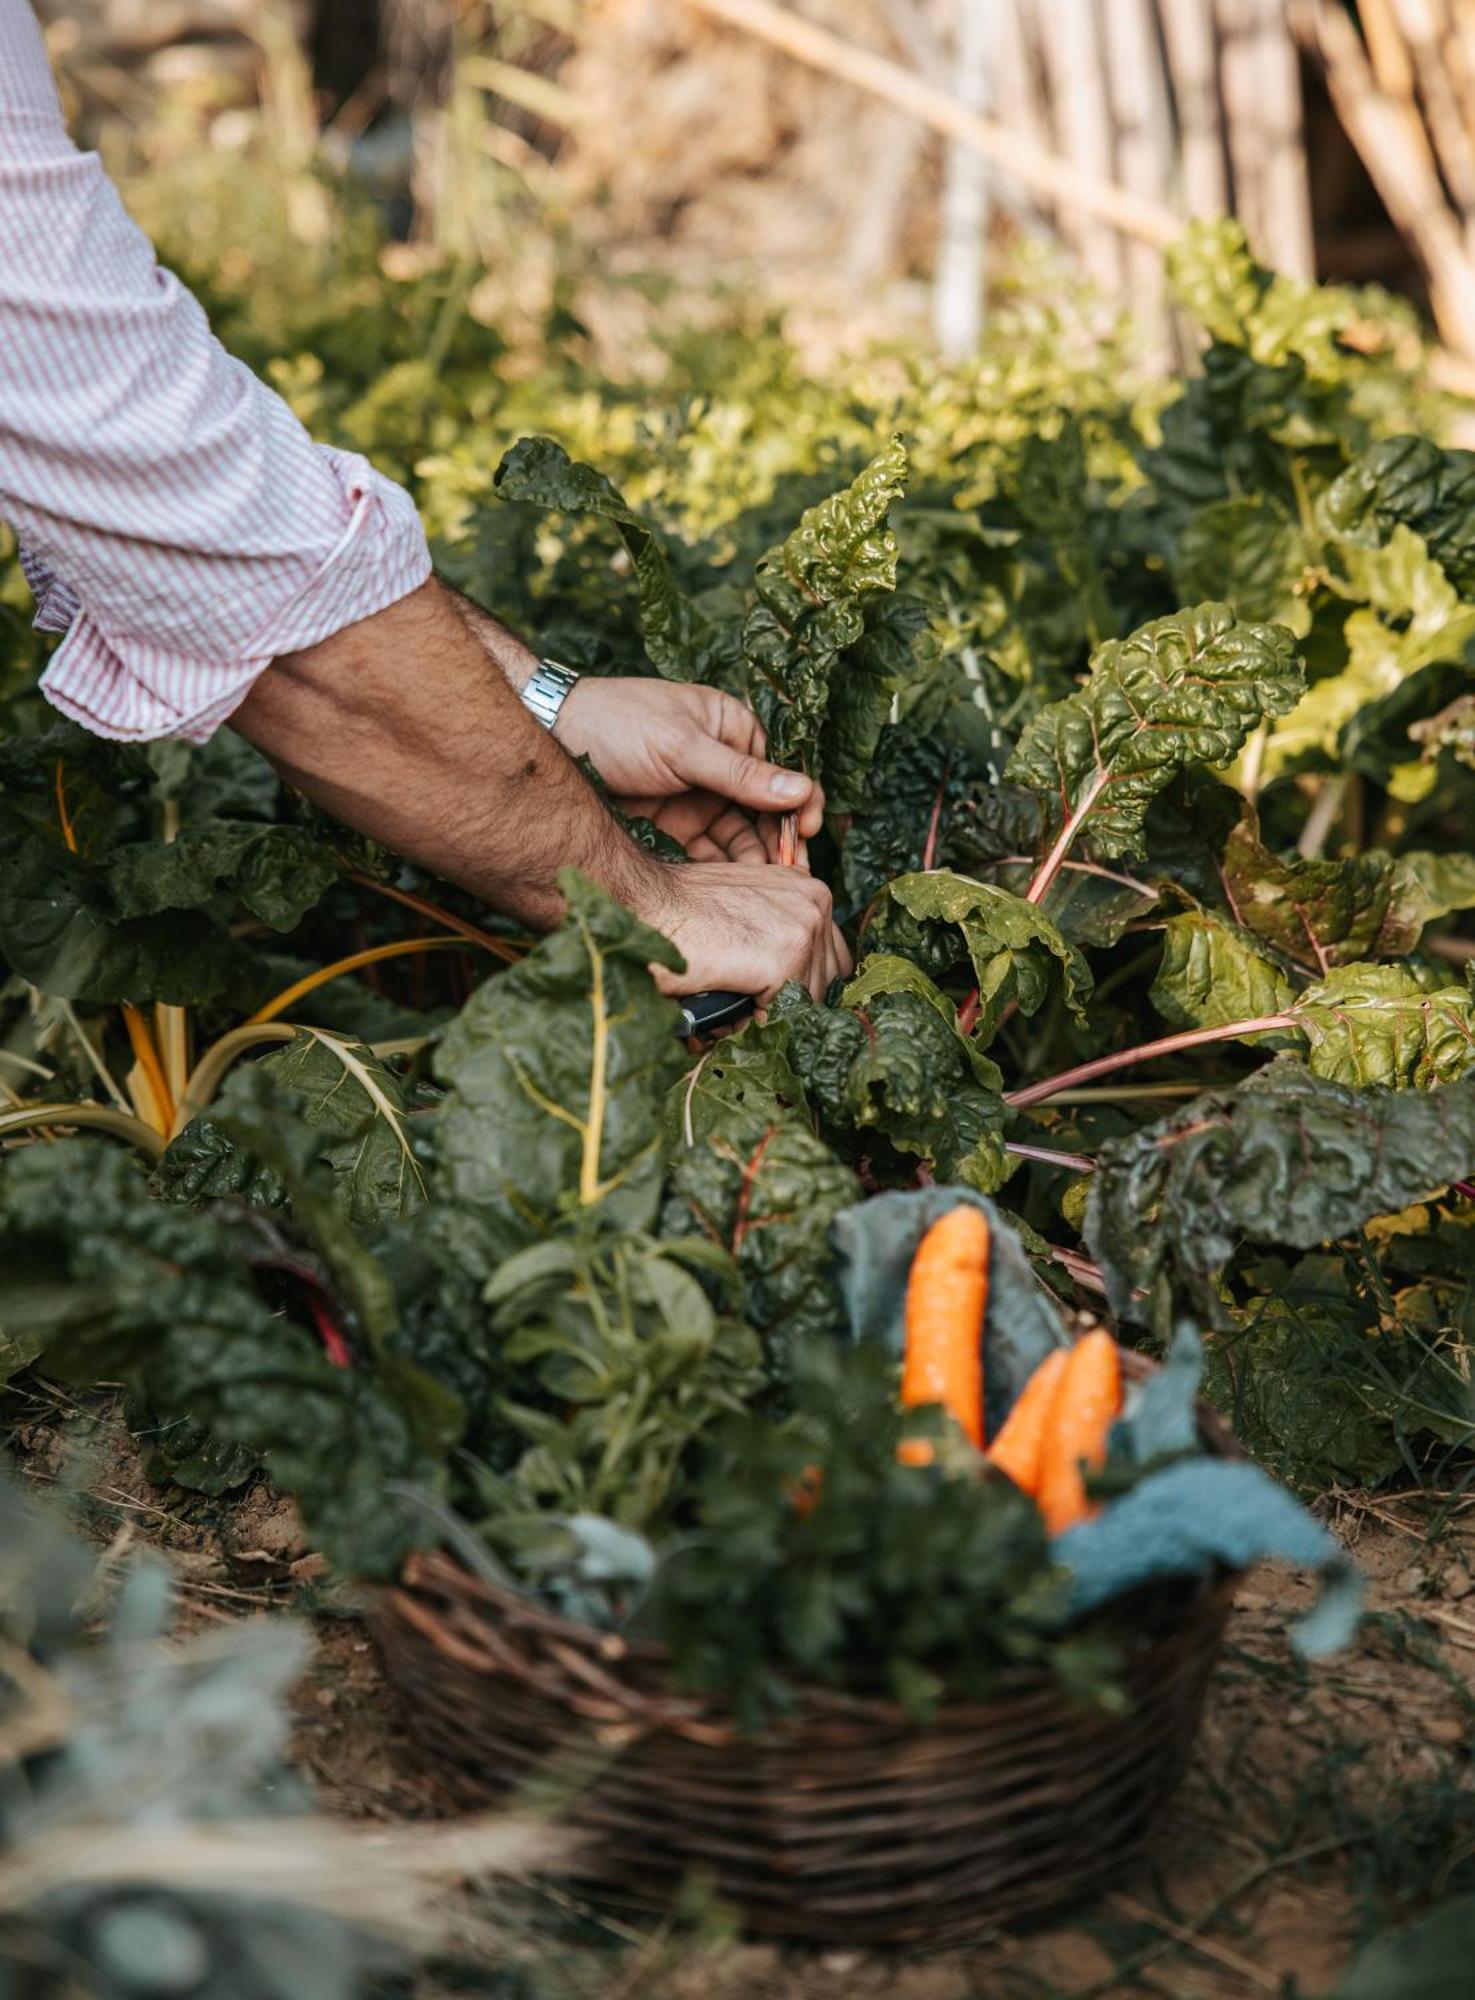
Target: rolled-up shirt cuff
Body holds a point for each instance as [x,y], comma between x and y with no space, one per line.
[121,685]
[56,606]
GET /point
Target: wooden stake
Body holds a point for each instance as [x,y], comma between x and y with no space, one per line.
[1262,103]
[1146,221]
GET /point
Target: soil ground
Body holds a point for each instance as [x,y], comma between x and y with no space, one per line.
[1323,1802]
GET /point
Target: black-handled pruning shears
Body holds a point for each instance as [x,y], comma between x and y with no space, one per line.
[707,1014]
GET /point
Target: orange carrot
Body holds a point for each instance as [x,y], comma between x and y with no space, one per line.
[947,1293]
[1020,1444]
[1085,1407]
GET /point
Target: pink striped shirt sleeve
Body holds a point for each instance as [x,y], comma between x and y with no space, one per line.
[176,521]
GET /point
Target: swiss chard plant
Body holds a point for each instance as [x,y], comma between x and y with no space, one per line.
[1143,718]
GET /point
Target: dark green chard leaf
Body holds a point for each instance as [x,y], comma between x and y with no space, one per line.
[337,1088]
[1016,954]
[61,930]
[1246,552]
[811,611]
[683,643]
[1184,690]
[897,1071]
[1375,1024]
[1410,482]
[766,1190]
[558,1070]
[1324,913]
[1288,1158]
[166,1299]
[1212,973]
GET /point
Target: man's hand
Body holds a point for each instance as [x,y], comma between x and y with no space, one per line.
[746,928]
[692,759]
[445,765]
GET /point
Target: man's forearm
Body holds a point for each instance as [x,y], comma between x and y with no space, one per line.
[398,727]
[516,661]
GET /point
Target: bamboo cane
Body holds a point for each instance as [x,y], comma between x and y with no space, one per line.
[962,249]
[1060,180]
[1188,38]
[1286,225]
[1139,107]
[1402,173]
[1074,63]
[1422,24]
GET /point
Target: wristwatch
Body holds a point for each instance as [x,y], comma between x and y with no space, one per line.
[547,689]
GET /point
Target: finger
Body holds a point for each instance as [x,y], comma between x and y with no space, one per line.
[737,836]
[709,764]
[812,814]
[703,848]
[737,726]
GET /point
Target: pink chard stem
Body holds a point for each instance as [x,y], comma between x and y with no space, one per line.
[1190,1038]
[1054,861]
[1077,1162]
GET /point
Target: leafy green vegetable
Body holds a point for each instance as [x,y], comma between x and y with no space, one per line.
[935,1583]
[896,1074]
[1186,689]
[1289,1158]
[1410,482]
[681,641]
[1017,955]
[339,1089]
[558,1069]
[811,613]
[167,1298]
[1213,973]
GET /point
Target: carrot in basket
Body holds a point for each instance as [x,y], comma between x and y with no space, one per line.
[1081,1416]
[947,1293]
[1020,1444]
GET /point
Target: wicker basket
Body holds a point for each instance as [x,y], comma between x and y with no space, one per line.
[848,1823]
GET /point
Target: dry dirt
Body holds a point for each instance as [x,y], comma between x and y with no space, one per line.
[1321,1803]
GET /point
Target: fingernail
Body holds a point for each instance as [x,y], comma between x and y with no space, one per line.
[788,785]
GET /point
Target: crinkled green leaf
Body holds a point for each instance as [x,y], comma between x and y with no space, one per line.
[683,643]
[1289,1158]
[1410,482]
[897,1069]
[164,1297]
[1240,303]
[1413,621]
[61,930]
[1324,913]
[1246,552]
[767,1192]
[558,1069]
[339,1089]
[276,872]
[1184,690]
[1212,973]
[1376,1024]
[810,610]
[1017,954]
